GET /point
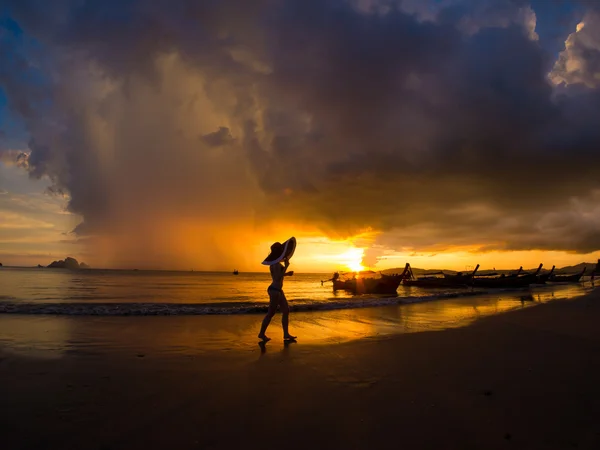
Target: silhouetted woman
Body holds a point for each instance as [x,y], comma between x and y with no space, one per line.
[277,297]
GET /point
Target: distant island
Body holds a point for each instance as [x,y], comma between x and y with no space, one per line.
[67,263]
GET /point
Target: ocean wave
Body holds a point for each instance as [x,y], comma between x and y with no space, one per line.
[193,309]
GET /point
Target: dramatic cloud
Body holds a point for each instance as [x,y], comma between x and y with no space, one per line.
[580,61]
[17,158]
[31,226]
[188,128]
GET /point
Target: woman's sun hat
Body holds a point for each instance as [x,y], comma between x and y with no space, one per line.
[280,251]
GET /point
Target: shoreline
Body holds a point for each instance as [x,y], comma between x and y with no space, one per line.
[522,379]
[114,308]
[52,335]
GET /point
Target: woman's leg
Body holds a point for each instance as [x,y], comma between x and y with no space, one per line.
[267,320]
[285,315]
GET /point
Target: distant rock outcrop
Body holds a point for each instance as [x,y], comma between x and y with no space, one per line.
[0,264]
[40,266]
[57,264]
[67,263]
[83,265]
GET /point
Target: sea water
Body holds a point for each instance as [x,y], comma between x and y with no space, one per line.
[54,312]
[124,292]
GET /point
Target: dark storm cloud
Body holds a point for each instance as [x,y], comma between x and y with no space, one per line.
[218,138]
[345,119]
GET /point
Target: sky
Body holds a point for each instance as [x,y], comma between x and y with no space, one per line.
[192,135]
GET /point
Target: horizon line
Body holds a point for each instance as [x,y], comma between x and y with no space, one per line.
[256,272]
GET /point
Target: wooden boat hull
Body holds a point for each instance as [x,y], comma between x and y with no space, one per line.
[506,282]
[458,280]
[566,278]
[384,285]
[435,283]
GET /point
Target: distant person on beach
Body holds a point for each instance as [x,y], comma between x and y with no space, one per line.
[277,297]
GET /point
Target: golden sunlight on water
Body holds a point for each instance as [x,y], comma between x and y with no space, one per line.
[51,336]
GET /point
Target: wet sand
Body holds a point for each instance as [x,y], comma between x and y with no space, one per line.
[525,379]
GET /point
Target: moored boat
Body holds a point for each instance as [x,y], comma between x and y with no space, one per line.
[445,281]
[517,280]
[546,276]
[367,282]
[574,278]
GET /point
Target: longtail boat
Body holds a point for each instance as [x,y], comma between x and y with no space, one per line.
[546,276]
[461,278]
[516,280]
[367,282]
[575,278]
[445,281]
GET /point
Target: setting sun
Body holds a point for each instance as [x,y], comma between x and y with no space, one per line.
[352,259]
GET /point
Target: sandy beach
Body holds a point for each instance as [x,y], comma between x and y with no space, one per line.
[524,379]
